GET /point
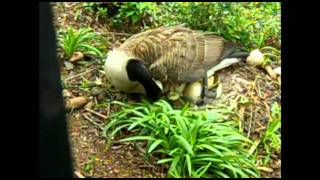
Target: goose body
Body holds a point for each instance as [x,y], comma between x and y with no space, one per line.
[154,61]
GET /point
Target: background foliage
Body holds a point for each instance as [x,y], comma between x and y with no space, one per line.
[253,24]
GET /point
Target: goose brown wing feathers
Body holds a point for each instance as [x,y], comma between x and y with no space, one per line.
[176,54]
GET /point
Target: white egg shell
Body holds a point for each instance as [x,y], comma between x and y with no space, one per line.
[193,90]
[255,58]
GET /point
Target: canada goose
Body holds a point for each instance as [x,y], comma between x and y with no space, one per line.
[154,61]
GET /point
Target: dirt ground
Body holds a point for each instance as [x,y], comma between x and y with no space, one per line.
[90,155]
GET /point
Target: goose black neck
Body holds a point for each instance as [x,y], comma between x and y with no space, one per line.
[137,71]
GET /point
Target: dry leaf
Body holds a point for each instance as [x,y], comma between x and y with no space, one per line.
[77,56]
[270,71]
[76,102]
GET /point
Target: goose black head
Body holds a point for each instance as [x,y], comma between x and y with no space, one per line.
[137,71]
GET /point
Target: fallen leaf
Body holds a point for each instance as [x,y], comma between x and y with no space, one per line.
[270,71]
[76,102]
[76,56]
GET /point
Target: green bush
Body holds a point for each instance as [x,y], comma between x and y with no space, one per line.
[253,24]
[134,13]
[194,143]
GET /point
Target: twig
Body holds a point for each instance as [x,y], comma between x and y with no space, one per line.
[260,128]
[93,122]
[77,75]
[250,122]
[95,100]
[265,169]
[96,113]
[108,110]
[78,174]
[268,110]
[254,85]
[146,166]
[254,147]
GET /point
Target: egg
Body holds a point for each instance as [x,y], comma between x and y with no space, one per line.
[193,90]
[255,58]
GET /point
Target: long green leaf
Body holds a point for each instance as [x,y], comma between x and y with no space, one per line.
[154,145]
[222,174]
[254,174]
[185,144]
[182,126]
[230,168]
[134,138]
[211,149]
[188,160]
[194,132]
[89,47]
[207,159]
[173,166]
[173,151]
[161,161]
[137,122]
[118,129]
[201,173]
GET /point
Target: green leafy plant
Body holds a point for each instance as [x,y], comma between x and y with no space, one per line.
[253,24]
[193,143]
[99,8]
[88,166]
[134,13]
[73,40]
[270,54]
[272,137]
